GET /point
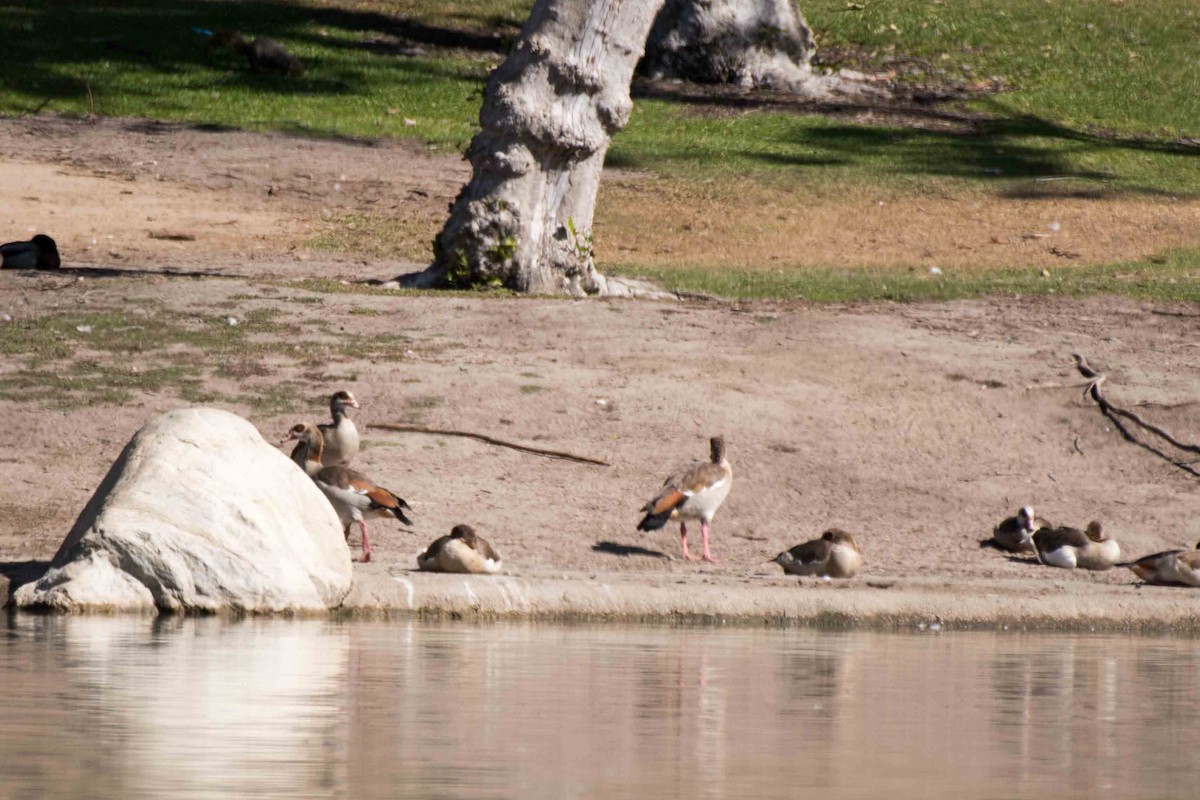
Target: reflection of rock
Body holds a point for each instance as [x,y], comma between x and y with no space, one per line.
[198,512]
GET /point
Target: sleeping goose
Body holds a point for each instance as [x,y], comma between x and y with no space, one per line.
[40,252]
[1069,548]
[695,491]
[341,435]
[462,551]
[1015,533]
[352,494]
[1169,568]
[834,555]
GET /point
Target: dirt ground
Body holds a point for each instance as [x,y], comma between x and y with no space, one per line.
[916,427]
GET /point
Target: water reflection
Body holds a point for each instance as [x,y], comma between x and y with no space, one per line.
[99,707]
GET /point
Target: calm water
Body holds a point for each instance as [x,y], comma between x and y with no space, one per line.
[132,708]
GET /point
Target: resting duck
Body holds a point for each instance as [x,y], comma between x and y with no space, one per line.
[1169,568]
[695,491]
[1015,534]
[462,551]
[834,555]
[40,252]
[1069,548]
[352,494]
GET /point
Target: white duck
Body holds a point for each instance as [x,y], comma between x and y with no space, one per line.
[352,494]
[695,491]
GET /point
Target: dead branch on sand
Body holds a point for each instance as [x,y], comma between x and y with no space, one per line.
[1097,378]
[537,451]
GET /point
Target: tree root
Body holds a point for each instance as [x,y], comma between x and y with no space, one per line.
[1095,379]
[537,451]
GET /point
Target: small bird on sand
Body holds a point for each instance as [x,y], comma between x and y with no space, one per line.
[695,491]
[1070,548]
[1015,534]
[40,252]
[462,551]
[834,555]
[1169,568]
[352,494]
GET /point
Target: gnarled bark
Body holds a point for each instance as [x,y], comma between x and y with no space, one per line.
[762,44]
[524,220]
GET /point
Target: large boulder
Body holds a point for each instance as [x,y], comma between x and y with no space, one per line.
[199,513]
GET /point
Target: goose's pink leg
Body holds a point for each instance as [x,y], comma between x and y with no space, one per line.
[366,545]
[704,536]
[683,541]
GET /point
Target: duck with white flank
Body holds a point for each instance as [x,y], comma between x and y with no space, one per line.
[352,494]
[1070,548]
[462,551]
[695,491]
[341,435]
[834,555]
[1015,534]
[1169,568]
[40,252]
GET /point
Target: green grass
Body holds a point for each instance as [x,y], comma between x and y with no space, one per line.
[1177,277]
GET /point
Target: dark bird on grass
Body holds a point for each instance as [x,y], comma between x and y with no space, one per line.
[263,54]
[40,252]
[834,555]
[694,491]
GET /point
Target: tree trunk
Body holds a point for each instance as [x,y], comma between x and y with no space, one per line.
[761,44]
[525,218]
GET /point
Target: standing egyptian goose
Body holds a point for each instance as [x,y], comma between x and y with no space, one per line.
[1070,548]
[352,494]
[1015,534]
[462,551]
[1169,568]
[834,555]
[40,252]
[695,491]
[341,435]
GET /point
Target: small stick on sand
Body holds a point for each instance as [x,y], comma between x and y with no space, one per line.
[1097,378]
[387,426]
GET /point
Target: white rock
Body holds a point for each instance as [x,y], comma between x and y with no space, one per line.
[199,513]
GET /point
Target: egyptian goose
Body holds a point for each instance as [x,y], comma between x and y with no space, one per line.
[462,551]
[352,494]
[834,555]
[1070,548]
[1169,568]
[695,491]
[341,435]
[40,252]
[1015,533]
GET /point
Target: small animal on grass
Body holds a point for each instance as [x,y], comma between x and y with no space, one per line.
[1169,568]
[1071,548]
[694,491]
[352,494]
[341,435]
[462,551]
[40,252]
[1015,534]
[263,54]
[834,555]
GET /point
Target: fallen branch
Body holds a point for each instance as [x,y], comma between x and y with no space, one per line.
[1096,378]
[537,451]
